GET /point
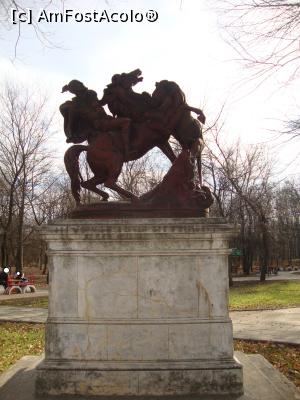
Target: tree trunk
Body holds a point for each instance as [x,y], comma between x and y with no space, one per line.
[45,263]
[20,247]
[41,254]
[246,262]
[4,251]
[4,245]
[19,255]
[266,251]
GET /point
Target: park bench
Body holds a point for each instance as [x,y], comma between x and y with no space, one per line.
[19,286]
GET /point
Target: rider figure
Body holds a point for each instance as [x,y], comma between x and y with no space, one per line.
[168,111]
[87,107]
[123,101]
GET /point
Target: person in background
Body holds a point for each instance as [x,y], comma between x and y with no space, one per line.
[4,277]
[20,276]
[17,275]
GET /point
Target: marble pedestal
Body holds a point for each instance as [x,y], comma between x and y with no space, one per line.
[138,307]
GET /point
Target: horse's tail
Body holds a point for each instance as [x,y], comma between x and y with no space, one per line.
[71,160]
[201,117]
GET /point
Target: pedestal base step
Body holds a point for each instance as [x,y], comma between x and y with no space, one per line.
[261,381]
[88,381]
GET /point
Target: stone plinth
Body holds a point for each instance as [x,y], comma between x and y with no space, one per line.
[139,307]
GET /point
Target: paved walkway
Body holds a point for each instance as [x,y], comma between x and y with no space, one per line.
[23,314]
[281,276]
[273,325]
[38,293]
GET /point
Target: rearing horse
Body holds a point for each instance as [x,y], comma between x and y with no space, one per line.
[106,153]
[166,109]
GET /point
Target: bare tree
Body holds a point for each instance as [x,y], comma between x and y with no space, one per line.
[220,186]
[245,174]
[51,200]
[24,160]
[142,175]
[292,128]
[264,33]
[286,222]
[22,6]
[265,36]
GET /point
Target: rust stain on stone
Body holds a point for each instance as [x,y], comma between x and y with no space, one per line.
[201,289]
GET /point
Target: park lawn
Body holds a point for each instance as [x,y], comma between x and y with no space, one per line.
[244,296]
[285,358]
[34,302]
[264,296]
[18,340]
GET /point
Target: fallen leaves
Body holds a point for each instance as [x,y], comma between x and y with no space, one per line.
[18,340]
[285,358]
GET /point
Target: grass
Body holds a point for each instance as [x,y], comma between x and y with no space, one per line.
[285,358]
[34,302]
[18,340]
[264,296]
[245,296]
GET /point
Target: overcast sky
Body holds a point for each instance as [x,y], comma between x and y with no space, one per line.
[185,44]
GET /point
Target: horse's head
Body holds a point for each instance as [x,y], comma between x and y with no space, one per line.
[127,80]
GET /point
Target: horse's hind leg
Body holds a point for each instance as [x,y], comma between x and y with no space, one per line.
[112,184]
[92,183]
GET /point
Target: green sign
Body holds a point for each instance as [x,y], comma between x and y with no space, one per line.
[236,252]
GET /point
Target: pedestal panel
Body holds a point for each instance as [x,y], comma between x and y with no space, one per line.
[139,307]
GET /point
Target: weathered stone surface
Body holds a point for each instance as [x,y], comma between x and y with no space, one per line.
[146,313]
[141,383]
[261,382]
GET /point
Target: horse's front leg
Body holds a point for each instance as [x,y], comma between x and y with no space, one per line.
[168,151]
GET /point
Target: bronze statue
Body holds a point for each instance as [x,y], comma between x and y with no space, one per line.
[166,109]
[138,123]
[84,117]
[121,99]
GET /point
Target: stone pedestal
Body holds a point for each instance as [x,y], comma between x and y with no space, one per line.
[139,307]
